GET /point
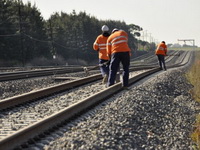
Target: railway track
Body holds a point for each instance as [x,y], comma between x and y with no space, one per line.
[67,112]
[147,61]
[16,100]
[37,73]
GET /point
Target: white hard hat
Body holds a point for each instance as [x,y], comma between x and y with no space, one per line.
[115,29]
[105,28]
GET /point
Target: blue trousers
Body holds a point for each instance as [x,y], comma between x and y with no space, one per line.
[161,60]
[105,68]
[116,58]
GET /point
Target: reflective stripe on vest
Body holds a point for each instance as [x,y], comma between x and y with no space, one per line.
[101,46]
[120,41]
[161,48]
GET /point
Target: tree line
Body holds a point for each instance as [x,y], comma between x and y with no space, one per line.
[26,37]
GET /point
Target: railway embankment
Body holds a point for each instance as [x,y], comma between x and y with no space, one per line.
[156,114]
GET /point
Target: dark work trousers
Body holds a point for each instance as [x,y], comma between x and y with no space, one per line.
[116,58]
[161,60]
[105,68]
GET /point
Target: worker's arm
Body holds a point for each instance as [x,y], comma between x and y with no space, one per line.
[108,49]
[96,44]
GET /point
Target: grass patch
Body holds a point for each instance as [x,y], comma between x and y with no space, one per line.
[193,76]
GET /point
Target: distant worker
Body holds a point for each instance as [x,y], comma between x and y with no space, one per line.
[118,51]
[100,46]
[161,52]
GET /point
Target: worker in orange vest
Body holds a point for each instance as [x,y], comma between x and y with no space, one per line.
[161,52]
[118,51]
[100,46]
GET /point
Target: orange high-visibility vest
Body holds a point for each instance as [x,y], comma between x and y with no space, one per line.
[100,45]
[161,49]
[118,42]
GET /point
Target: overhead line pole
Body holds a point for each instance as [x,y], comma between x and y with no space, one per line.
[184,40]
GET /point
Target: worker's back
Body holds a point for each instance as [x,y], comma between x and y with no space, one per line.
[161,49]
[100,45]
[118,42]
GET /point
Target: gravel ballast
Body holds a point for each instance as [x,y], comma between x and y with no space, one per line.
[17,87]
[154,115]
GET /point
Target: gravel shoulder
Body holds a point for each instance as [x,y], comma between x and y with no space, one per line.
[154,115]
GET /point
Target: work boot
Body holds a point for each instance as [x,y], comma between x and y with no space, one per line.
[105,79]
[126,88]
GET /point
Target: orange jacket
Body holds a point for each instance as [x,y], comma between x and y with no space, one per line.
[100,45]
[161,49]
[118,42]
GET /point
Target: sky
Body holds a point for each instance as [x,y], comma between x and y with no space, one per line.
[161,20]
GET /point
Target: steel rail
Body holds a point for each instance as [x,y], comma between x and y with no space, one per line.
[39,127]
[32,130]
[26,97]
[36,73]
[6,76]
[19,99]
[154,62]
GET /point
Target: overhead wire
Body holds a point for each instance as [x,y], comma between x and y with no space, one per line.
[44,41]
[35,39]
[7,35]
[32,38]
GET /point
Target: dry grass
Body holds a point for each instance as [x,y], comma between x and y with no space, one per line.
[196,133]
[193,75]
